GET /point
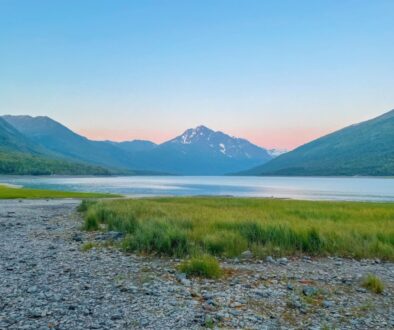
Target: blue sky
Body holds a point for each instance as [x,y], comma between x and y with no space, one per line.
[276,72]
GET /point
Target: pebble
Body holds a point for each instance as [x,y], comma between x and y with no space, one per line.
[270,259]
[309,291]
[283,261]
[246,255]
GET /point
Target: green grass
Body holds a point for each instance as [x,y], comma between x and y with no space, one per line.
[373,283]
[203,266]
[88,246]
[7,192]
[226,227]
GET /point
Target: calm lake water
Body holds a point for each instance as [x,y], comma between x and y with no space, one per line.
[356,189]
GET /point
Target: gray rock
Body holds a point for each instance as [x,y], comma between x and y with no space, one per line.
[309,291]
[186,282]
[270,259]
[247,255]
[77,237]
[181,276]
[116,316]
[235,312]
[266,293]
[35,313]
[110,236]
[283,261]
[32,289]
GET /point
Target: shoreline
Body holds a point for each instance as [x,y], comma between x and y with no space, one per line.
[293,188]
[9,185]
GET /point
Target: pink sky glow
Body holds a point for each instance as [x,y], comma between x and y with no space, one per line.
[288,139]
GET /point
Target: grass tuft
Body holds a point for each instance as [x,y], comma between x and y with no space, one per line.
[373,283]
[91,223]
[87,246]
[202,266]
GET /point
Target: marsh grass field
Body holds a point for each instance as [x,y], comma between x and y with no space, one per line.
[226,227]
[12,192]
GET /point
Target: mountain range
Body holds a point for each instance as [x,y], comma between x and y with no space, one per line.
[364,149]
[198,151]
[40,145]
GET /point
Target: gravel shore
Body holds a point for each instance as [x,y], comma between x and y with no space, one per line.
[47,281]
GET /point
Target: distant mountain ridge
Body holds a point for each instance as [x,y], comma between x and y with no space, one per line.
[19,155]
[135,145]
[61,141]
[364,149]
[198,151]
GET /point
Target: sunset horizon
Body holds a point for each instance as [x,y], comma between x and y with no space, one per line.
[276,73]
[288,139]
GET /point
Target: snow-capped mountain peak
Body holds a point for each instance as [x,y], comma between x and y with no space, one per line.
[219,144]
[193,134]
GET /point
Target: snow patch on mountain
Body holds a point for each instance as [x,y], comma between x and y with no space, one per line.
[276,152]
[222,148]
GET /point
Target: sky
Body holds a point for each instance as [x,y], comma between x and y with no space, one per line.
[279,73]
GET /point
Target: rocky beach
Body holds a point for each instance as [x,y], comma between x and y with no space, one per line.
[49,279]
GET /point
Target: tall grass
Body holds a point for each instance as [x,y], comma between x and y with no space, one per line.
[229,226]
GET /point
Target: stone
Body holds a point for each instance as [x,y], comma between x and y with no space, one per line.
[32,289]
[116,316]
[270,259]
[77,237]
[186,282]
[309,291]
[35,313]
[283,261]
[110,236]
[327,304]
[181,276]
[247,255]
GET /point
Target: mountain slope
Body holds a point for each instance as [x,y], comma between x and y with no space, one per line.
[17,163]
[61,141]
[201,151]
[18,155]
[13,140]
[366,148]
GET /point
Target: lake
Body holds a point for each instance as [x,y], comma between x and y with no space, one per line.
[308,188]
